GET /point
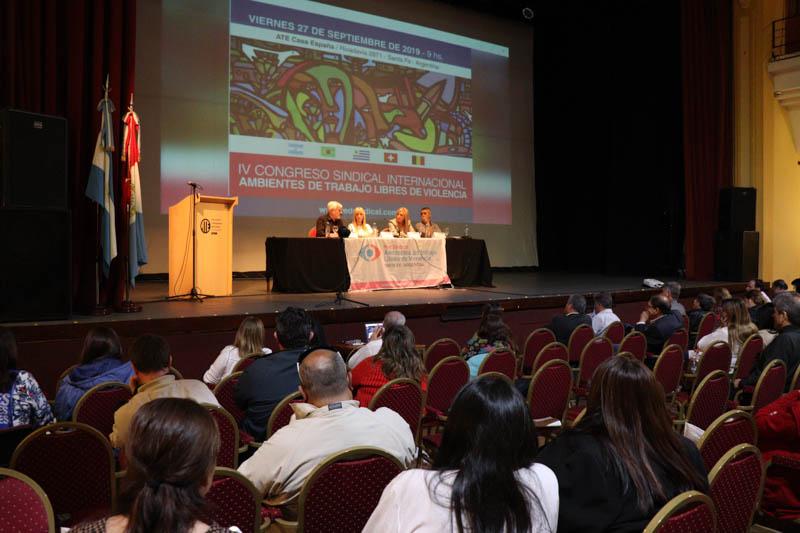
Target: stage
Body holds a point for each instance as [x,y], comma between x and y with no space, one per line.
[197,331]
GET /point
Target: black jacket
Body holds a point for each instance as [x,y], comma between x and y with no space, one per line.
[659,331]
[263,385]
[326,221]
[786,347]
[761,315]
[564,325]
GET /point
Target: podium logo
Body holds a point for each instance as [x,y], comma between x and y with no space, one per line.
[370,252]
[205,225]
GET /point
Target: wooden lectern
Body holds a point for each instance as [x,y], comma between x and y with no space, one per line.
[213,225]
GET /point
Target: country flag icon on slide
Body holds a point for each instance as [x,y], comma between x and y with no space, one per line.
[417,160]
[295,149]
[390,157]
[361,155]
[327,151]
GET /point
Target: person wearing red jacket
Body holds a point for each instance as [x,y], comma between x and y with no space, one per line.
[779,436]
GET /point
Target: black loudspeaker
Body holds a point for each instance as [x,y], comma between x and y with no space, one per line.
[35,272]
[736,256]
[33,160]
[737,209]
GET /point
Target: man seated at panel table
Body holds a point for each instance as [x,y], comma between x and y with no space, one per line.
[330,224]
[425,227]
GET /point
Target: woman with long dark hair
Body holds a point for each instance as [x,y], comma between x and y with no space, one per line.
[171,455]
[22,401]
[624,460]
[493,333]
[100,362]
[484,476]
[397,358]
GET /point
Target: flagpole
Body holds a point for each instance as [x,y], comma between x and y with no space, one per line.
[128,305]
[99,309]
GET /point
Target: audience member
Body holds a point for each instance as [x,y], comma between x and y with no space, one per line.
[397,358]
[268,380]
[672,291]
[779,286]
[720,294]
[759,309]
[702,304]
[574,315]
[318,337]
[249,340]
[493,333]
[759,285]
[100,362]
[736,327]
[658,323]
[603,314]
[329,421]
[22,401]
[620,465]
[171,456]
[779,434]
[151,361]
[484,476]
[786,346]
[796,284]
[373,346]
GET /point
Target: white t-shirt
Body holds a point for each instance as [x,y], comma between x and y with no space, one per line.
[366,351]
[224,363]
[406,503]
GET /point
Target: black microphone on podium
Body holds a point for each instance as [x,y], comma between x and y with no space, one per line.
[194,184]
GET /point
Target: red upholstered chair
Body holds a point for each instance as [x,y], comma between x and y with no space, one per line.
[685,321]
[726,432]
[224,392]
[707,324]
[549,390]
[404,397]
[228,435]
[342,491]
[23,504]
[615,332]
[312,232]
[445,380]
[10,439]
[680,337]
[234,501]
[636,343]
[500,360]
[735,484]
[97,406]
[748,355]
[74,465]
[795,380]
[536,341]
[769,386]
[669,369]
[61,377]
[552,352]
[716,357]
[581,336]
[439,350]
[175,372]
[594,353]
[688,512]
[282,413]
[247,360]
[709,399]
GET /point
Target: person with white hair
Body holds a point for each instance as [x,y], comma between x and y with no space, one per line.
[373,346]
[330,224]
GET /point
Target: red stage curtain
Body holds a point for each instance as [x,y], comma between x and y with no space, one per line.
[54,57]
[707,126]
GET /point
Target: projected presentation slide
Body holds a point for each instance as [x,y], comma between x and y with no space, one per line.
[331,104]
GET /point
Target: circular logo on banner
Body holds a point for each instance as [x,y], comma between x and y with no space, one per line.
[370,252]
[205,225]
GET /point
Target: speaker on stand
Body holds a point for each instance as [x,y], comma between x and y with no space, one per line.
[736,242]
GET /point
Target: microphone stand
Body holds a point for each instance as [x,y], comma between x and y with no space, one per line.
[193,295]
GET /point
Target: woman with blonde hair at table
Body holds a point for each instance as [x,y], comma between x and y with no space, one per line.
[400,225]
[359,227]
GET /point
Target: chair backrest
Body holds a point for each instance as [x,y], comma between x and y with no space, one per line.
[97,406]
[580,337]
[726,432]
[282,413]
[404,397]
[687,512]
[552,352]
[549,390]
[10,439]
[61,377]
[735,485]
[669,369]
[594,353]
[439,350]
[770,384]
[500,360]
[445,380]
[234,501]
[352,480]
[243,362]
[615,332]
[636,343]
[706,326]
[23,504]
[74,465]
[680,337]
[685,321]
[175,372]
[536,341]
[228,436]
[224,392]
[709,399]
[716,357]
[748,355]
[795,384]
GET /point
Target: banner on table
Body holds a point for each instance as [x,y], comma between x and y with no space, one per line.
[395,263]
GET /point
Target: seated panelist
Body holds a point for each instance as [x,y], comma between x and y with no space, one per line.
[400,225]
[330,224]
[425,227]
[359,227]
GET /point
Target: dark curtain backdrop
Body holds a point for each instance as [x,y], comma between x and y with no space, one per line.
[707,55]
[54,59]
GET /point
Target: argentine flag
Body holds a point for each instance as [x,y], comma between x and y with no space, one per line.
[101,184]
[137,252]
